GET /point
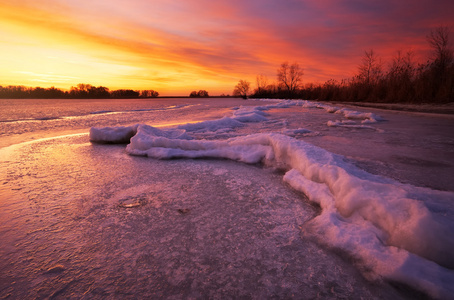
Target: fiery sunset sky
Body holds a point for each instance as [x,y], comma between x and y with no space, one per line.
[175,47]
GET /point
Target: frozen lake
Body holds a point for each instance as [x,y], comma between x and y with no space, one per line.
[90,220]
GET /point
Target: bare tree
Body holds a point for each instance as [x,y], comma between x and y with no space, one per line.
[290,76]
[262,83]
[371,68]
[439,40]
[400,77]
[242,88]
[441,69]
[402,66]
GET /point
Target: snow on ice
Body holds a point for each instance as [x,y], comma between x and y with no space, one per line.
[390,227]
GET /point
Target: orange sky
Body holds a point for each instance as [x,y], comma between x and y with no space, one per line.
[175,47]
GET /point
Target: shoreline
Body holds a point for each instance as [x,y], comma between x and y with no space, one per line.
[444,109]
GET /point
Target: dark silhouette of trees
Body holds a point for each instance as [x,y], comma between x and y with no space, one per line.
[442,53]
[265,89]
[403,80]
[79,91]
[290,77]
[242,89]
[370,72]
[370,69]
[98,92]
[50,93]
[22,92]
[124,94]
[88,91]
[262,84]
[149,94]
[200,93]
[82,90]
[400,77]
[440,71]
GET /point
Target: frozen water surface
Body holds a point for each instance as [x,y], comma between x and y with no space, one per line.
[83,220]
[203,228]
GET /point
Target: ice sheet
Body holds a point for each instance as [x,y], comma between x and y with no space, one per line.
[389,226]
[88,220]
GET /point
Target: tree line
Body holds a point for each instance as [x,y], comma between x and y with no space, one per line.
[81,91]
[199,94]
[401,80]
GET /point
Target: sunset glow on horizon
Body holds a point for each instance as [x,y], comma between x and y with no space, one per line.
[175,47]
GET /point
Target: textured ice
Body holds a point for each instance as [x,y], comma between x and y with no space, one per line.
[297,131]
[349,124]
[389,226]
[120,134]
[224,124]
[123,134]
[366,117]
[250,114]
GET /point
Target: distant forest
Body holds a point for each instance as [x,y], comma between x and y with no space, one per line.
[81,91]
[403,81]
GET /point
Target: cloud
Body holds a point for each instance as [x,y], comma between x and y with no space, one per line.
[218,42]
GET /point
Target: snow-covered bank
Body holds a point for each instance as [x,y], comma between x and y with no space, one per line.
[447,108]
[400,232]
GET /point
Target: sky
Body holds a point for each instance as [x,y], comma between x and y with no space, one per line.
[175,47]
